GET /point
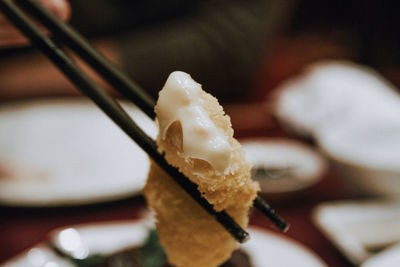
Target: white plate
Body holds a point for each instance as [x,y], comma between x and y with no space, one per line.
[359,229]
[266,249]
[296,165]
[67,152]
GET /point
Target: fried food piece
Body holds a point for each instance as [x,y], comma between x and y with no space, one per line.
[197,138]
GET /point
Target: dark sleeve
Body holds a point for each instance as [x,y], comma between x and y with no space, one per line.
[94,18]
[220,45]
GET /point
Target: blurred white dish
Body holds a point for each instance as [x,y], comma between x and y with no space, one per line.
[39,256]
[67,152]
[283,165]
[334,94]
[359,229]
[265,249]
[81,241]
[367,156]
[353,114]
[388,258]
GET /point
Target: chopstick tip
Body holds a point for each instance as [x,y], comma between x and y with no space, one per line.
[260,204]
[243,237]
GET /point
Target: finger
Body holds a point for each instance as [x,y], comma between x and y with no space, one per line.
[10,36]
[59,7]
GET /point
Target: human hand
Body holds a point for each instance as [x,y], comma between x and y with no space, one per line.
[10,36]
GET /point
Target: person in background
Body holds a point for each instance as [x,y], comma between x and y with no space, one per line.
[221,43]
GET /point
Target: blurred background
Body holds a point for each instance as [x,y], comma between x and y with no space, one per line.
[229,46]
[313,82]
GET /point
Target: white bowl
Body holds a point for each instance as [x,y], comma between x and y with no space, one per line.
[353,113]
[367,156]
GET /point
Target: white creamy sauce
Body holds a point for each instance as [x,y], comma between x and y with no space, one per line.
[180,100]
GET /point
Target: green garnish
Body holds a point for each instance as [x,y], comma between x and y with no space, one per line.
[90,261]
[152,253]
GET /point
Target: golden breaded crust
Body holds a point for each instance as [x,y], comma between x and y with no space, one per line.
[190,236]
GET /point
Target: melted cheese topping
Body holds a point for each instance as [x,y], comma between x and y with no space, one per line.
[180,100]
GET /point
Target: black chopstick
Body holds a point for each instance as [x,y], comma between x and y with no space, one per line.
[116,78]
[123,84]
[114,111]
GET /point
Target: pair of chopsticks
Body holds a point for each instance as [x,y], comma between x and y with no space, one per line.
[16,11]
